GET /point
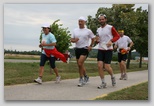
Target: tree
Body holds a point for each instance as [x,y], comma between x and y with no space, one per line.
[141,39]
[62,36]
[125,19]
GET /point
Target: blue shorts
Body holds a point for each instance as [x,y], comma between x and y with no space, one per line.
[44,58]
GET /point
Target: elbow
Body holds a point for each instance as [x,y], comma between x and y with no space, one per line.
[54,44]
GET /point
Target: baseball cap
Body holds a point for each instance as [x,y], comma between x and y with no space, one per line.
[46,25]
[82,18]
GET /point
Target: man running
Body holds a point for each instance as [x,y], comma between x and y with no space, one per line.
[106,35]
[81,37]
[123,49]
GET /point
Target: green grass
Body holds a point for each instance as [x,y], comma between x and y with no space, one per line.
[20,73]
[137,92]
[21,58]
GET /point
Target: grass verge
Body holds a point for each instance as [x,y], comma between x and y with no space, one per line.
[20,73]
[136,92]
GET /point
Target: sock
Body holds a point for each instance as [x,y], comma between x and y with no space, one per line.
[40,77]
[103,80]
[80,77]
[85,75]
[112,76]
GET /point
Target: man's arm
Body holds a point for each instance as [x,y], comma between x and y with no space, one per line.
[130,46]
[115,34]
[74,40]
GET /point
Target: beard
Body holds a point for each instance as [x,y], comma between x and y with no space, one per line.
[102,24]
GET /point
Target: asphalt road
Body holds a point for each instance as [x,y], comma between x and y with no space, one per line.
[68,90]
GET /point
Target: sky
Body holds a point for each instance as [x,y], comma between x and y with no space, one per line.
[22,22]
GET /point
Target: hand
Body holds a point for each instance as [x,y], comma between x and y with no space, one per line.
[128,49]
[97,39]
[43,44]
[40,45]
[89,48]
[76,39]
[109,44]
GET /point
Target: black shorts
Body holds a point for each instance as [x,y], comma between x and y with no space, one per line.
[81,51]
[105,56]
[44,58]
[122,57]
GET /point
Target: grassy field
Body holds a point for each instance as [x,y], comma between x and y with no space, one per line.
[19,73]
[20,56]
[137,92]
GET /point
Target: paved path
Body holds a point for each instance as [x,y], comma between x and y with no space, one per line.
[68,90]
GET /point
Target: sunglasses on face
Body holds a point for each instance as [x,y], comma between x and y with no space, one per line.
[45,28]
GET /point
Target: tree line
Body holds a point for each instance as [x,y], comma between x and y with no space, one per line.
[133,21]
[33,52]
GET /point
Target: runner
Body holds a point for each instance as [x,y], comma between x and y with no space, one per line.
[106,35]
[123,49]
[81,37]
[48,43]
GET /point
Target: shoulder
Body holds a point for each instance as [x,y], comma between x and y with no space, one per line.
[89,30]
[109,26]
[76,29]
[50,34]
[126,36]
[98,28]
[43,34]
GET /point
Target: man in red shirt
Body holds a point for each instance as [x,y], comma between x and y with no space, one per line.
[106,36]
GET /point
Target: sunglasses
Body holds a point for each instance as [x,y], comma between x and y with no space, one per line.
[102,15]
[46,28]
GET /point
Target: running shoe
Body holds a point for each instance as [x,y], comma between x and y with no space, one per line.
[58,79]
[103,85]
[81,83]
[68,60]
[113,81]
[38,80]
[122,77]
[125,77]
[86,79]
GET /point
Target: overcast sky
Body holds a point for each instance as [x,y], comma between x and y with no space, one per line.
[22,22]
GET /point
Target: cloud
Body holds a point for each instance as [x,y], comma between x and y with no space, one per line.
[22,22]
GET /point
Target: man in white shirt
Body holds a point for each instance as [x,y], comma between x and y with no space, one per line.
[81,37]
[123,49]
[106,35]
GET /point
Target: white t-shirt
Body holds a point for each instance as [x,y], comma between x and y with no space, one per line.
[105,35]
[84,36]
[123,42]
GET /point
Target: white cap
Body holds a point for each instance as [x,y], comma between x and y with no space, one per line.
[46,25]
[82,18]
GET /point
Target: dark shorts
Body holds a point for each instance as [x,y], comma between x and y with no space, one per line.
[44,58]
[122,57]
[81,51]
[105,56]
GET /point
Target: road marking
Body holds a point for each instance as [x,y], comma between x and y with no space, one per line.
[99,96]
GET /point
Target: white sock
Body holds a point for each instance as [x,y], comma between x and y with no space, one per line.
[103,80]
